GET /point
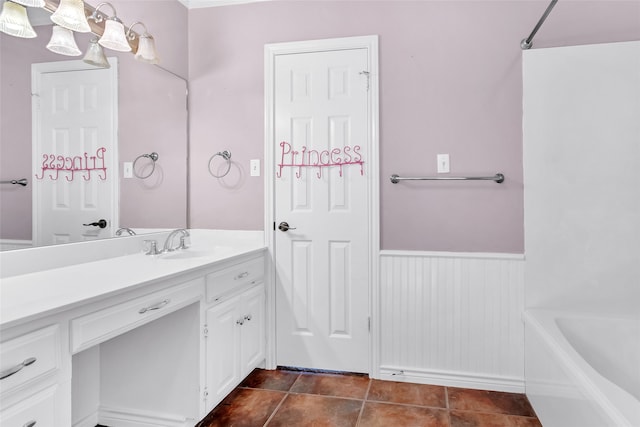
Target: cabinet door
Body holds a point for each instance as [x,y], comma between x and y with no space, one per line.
[252,346]
[223,343]
[39,409]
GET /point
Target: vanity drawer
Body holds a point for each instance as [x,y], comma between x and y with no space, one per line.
[37,410]
[227,280]
[97,327]
[29,357]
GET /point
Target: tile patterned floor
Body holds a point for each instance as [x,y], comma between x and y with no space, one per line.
[300,399]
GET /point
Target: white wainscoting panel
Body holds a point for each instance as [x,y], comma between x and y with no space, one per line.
[452,319]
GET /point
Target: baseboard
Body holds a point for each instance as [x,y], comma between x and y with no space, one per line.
[452,379]
[128,417]
[88,421]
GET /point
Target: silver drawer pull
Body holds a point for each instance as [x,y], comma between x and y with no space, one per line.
[8,372]
[240,322]
[247,317]
[156,306]
[30,423]
[242,275]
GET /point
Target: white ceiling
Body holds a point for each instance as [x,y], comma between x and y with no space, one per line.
[194,4]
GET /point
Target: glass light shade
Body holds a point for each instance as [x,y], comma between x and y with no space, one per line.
[70,14]
[95,55]
[63,42]
[114,37]
[30,3]
[15,22]
[147,50]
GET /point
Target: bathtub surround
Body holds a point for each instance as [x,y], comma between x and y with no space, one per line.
[581,108]
[581,154]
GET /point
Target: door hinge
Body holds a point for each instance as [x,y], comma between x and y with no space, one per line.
[205,331]
[369,323]
[368,76]
[205,394]
[36,100]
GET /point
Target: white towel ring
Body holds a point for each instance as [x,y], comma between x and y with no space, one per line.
[153,156]
[226,155]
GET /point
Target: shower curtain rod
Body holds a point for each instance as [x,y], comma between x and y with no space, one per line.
[528,42]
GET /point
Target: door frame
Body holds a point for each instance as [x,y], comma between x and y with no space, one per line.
[271,51]
[37,70]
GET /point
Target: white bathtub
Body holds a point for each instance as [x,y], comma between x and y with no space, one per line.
[583,370]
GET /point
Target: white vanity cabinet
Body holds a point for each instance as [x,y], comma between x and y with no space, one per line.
[33,384]
[138,344]
[235,326]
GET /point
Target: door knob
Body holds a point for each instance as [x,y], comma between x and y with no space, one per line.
[284,226]
[101,223]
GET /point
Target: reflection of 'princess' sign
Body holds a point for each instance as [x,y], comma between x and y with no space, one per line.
[86,164]
[306,158]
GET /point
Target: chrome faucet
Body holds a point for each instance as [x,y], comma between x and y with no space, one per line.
[167,243]
[129,231]
[151,247]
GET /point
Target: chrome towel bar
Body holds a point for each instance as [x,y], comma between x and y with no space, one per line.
[498,178]
[22,182]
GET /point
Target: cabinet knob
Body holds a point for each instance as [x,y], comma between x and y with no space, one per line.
[247,317]
[240,322]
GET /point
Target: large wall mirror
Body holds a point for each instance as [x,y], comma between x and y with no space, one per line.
[152,117]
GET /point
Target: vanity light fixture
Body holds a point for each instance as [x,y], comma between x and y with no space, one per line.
[113,37]
[15,22]
[146,45]
[31,3]
[70,14]
[63,42]
[95,55]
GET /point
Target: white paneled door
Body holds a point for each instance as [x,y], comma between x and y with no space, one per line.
[321,203]
[74,152]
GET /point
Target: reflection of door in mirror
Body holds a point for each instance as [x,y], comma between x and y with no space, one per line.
[75,110]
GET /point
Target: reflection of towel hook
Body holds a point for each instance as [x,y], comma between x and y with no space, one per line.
[226,154]
[153,156]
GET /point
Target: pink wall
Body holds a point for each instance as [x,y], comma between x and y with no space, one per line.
[450,82]
[16,57]
[149,100]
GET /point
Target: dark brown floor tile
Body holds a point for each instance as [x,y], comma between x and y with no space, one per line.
[524,421]
[478,419]
[244,408]
[306,410]
[408,393]
[387,415]
[489,401]
[273,380]
[351,386]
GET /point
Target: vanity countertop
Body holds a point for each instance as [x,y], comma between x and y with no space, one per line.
[24,297]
